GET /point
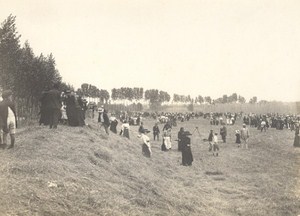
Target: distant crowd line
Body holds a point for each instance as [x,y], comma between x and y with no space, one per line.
[70,109]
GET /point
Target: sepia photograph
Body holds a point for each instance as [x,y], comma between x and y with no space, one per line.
[150,108]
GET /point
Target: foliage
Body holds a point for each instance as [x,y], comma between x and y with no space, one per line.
[88,90]
[126,93]
[21,71]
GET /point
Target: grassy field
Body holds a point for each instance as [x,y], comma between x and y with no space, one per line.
[82,171]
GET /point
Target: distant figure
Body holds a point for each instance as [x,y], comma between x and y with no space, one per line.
[215,145]
[125,129]
[245,136]
[167,139]
[167,126]
[113,124]
[297,140]
[238,138]
[54,104]
[156,131]
[223,133]
[141,128]
[106,122]
[8,118]
[210,140]
[263,126]
[187,156]
[71,109]
[146,147]
[138,121]
[180,137]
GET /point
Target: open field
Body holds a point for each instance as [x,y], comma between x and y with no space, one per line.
[82,171]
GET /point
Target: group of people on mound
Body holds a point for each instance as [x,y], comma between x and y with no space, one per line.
[66,107]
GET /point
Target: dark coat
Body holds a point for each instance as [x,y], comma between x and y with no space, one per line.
[53,99]
[4,112]
[187,156]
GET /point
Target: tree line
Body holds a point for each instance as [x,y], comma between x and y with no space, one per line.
[25,73]
[28,75]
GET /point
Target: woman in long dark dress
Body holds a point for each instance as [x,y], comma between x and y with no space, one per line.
[113,125]
[187,156]
[179,138]
[297,136]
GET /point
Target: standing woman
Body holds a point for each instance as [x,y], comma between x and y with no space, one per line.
[297,140]
[187,156]
[146,147]
[245,136]
[113,124]
[167,139]
[180,138]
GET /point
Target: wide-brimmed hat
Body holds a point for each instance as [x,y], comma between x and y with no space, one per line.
[6,93]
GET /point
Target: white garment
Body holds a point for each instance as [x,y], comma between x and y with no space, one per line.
[146,140]
[215,139]
[168,143]
[11,121]
[124,125]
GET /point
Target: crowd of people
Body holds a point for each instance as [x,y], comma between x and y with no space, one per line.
[66,107]
[70,109]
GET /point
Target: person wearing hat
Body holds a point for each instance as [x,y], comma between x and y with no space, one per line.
[187,156]
[238,137]
[245,136]
[156,131]
[223,133]
[71,109]
[167,139]
[146,146]
[104,120]
[180,138]
[8,118]
[54,104]
[113,124]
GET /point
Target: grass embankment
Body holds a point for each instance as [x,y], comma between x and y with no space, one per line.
[82,171]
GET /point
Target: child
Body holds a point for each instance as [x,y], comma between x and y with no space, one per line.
[238,138]
[64,117]
[215,145]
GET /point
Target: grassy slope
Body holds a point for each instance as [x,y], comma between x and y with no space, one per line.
[95,174]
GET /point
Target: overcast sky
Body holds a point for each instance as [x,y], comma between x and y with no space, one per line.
[206,47]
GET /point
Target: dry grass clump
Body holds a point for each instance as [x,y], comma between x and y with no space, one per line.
[83,171]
